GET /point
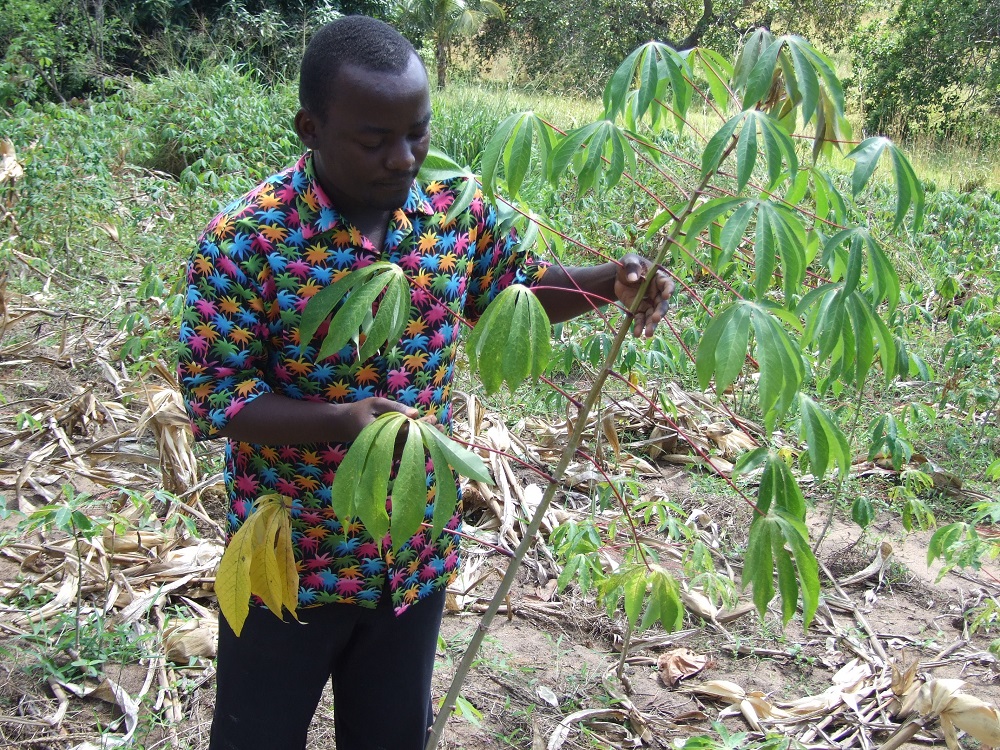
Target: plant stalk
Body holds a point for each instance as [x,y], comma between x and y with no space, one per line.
[575,438]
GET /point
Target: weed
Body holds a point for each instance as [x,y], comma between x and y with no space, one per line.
[71,647]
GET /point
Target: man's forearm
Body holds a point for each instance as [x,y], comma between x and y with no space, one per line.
[571,291]
[273,419]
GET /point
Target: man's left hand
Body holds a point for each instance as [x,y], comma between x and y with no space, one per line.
[631,272]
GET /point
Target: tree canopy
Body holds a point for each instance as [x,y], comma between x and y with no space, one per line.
[933,65]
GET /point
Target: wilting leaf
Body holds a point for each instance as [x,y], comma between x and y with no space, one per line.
[909,190]
[251,565]
[511,340]
[678,663]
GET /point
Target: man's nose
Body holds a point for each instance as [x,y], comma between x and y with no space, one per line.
[401,157]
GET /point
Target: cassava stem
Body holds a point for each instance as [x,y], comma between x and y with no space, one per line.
[575,438]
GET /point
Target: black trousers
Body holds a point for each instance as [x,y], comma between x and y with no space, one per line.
[271,678]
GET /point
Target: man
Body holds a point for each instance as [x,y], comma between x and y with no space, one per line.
[351,199]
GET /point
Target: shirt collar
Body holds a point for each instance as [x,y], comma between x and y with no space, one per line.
[417,201]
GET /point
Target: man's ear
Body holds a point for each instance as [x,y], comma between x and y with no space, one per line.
[305,126]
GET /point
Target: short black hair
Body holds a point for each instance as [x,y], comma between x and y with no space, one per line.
[356,40]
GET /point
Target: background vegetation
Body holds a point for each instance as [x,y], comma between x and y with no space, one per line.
[136,122]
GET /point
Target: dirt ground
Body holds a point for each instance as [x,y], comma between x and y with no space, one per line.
[541,664]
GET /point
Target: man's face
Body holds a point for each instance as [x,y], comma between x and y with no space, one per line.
[373,139]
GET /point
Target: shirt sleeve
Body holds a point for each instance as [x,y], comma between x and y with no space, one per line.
[223,334]
[497,262]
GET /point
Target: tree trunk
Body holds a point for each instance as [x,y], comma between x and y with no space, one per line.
[441,56]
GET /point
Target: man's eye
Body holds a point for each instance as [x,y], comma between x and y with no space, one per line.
[371,146]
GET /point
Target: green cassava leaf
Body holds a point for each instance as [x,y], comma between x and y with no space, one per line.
[711,157]
[591,157]
[758,563]
[467,463]
[393,313]
[617,88]
[805,77]
[866,157]
[822,65]
[347,321]
[635,593]
[862,512]
[516,363]
[373,490]
[778,147]
[781,366]
[445,492]
[664,593]
[464,199]
[511,340]
[568,148]
[494,149]
[409,490]
[762,74]
[347,480]
[717,71]
[788,585]
[944,538]
[771,538]
[779,232]
[734,230]
[700,218]
[746,152]
[909,190]
[747,59]
[439,166]
[648,81]
[826,443]
[517,155]
[750,460]
[723,347]
[484,346]
[323,302]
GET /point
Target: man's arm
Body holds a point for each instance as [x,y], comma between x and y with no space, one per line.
[273,419]
[571,291]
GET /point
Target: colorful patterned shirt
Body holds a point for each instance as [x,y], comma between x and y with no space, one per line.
[256,266]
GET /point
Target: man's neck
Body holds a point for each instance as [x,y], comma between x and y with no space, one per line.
[372,226]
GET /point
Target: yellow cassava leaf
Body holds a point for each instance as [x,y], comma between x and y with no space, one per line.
[611,433]
[286,559]
[264,579]
[259,560]
[232,582]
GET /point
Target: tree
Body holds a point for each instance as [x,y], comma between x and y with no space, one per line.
[444,21]
[578,43]
[934,65]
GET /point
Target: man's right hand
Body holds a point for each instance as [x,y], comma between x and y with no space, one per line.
[360,414]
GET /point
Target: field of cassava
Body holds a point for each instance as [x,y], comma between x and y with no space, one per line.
[771,524]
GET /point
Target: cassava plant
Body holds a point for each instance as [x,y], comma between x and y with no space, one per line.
[797,293]
[808,295]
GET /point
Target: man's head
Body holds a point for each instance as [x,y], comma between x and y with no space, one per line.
[352,40]
[365,114]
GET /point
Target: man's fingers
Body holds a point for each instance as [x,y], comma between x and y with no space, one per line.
[387,405]
[634,268]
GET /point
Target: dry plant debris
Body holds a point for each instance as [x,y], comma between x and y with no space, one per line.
[121,441]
